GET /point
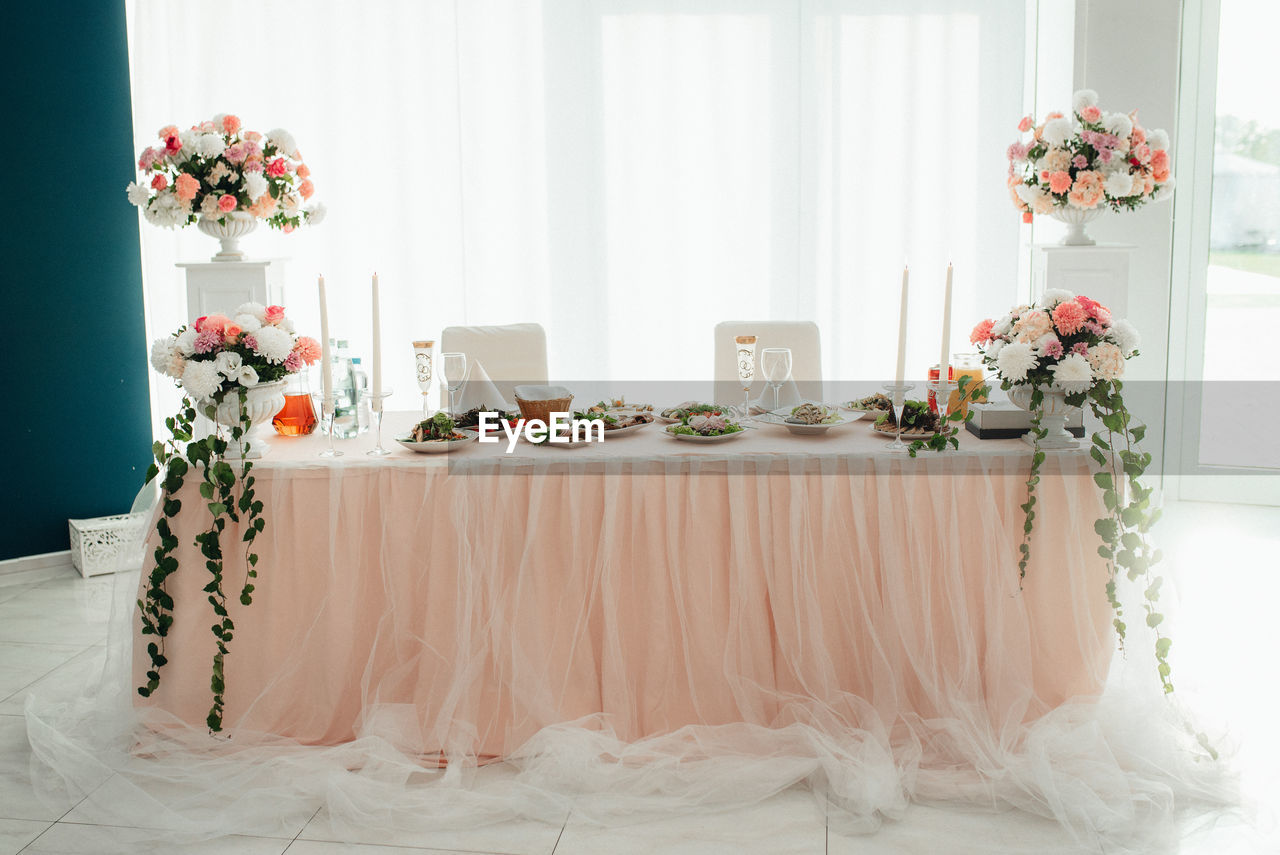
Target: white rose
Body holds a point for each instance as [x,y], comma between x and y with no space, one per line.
[186,342]
[1084,98]
[1118,185]
[1158,140]
[1163,191]
[1125,335]
[247,377]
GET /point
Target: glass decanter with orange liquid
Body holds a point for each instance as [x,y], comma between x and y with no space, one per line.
[298,416]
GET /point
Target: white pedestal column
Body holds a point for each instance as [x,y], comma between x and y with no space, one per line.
[1100,272]
[220,286]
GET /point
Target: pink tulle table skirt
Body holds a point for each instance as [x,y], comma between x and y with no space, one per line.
[458,607]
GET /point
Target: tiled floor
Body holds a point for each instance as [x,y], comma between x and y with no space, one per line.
[1222,559]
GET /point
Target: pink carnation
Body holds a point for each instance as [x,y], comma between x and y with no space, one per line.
[1079,161]
[1069,317]
[208,341]
[307,348]
[252,136]
[306,189]
[1032,325]
[293,362]
[186,186]
[304,171]
[148,159]
[1026,124]
[276,167]
[167,131]
[1059,182]
[230,124]
[982,332]
[249,340]
[235,152]
[1091,114]
[274,314]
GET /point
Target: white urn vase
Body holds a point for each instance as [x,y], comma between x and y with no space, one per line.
[1076,219]
[261,404]
[228,228]
[1053,417]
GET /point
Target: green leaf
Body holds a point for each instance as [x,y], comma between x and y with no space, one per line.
[1154,619]
[1103,480]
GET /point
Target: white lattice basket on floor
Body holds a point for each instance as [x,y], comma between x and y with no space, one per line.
[107,544]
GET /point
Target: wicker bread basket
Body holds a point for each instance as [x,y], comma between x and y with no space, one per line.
[544,408]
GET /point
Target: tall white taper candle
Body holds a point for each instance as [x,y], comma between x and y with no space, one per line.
[377,348]
[326,364]
[944,361]
[900,375]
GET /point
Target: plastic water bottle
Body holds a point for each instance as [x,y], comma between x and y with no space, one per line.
[360,387]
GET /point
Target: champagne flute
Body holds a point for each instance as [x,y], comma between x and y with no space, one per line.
[422,359]
[454,368]
[746,356]
[776,364]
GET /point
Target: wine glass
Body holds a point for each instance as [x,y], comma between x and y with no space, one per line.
[422,359]
[746,357]
[775,362]
[454,368]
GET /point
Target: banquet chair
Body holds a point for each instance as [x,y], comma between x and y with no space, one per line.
[511,354]
[806,357]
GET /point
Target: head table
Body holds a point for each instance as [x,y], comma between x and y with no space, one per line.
[459,604]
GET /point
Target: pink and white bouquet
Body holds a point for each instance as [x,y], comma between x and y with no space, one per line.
[1062,341]
[217,353]
[216,168]
[1087,160]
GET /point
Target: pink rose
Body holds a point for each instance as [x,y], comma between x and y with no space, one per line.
[230,124]
[1069,317]
[274,314]
[306,189]
[1160,166]
[216,323]
[1026,124]
[231,332]
[227,204]
[982,332]
[1142,152]
[1091,114]
[168,131]
[288,227]
[172,145]
[1138,135]
[200,322]
[1027,217]
[276,167]
[159,182]
[1087,191]
[186,186]
[1059,182]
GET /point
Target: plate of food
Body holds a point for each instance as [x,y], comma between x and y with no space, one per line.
[435,435]
[705,428]
[809,419]
[877,403]
[470,420]
[917,421]
[681,412]
[617,422]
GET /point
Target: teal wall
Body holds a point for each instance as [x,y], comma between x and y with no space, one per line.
[76,423]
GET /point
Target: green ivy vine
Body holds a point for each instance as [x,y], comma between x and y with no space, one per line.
[177,456]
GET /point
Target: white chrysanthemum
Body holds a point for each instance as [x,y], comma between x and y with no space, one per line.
[209,145]
[1084,98]
[1002,326]
[201,378]
[1126,336]
[247,377]
[248,323]
[137,193]
[316,215]
[228,363]
[258,310]
[165,210]
[1118,184]
[1054,296]
[188,138]
[1058,131]
[1072,373]
[993,348]
[1015,360]
[1118,124]
[255,184]
[283,140]
[186,341]
[162,353]
[273,343]
[1158,139]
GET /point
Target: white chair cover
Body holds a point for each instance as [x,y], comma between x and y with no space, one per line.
[806,359]
[511,354]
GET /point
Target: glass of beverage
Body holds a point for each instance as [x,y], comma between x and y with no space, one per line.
[422,351]
[454,368]
[745,347]
[775,362]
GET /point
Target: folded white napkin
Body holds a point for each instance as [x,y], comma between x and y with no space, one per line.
[541,393]
[788,396]
[478,391]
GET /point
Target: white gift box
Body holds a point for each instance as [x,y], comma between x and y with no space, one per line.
[107,544]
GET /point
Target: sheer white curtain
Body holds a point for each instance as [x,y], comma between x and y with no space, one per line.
[625,172]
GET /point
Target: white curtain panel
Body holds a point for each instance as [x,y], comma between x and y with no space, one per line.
[626,173]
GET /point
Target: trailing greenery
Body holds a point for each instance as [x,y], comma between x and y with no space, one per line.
[176,457]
